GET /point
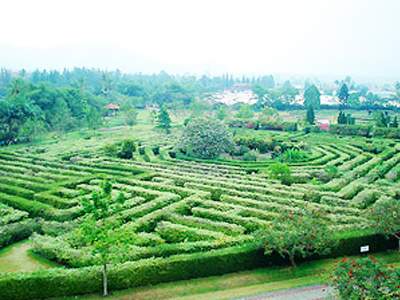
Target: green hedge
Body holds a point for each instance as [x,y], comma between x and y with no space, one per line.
[66,282]
[15,232]
[365,130]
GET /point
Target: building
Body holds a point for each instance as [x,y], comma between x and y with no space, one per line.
[323,124]
[111,109]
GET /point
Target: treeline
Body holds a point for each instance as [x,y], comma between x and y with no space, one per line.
[29,110]
[35,102]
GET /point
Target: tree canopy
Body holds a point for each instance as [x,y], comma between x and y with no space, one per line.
[298,234]
[205,138]
[312,97]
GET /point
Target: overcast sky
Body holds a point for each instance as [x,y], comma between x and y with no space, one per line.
[355,37]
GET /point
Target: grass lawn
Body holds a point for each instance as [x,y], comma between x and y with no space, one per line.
[18,258]
[241,283]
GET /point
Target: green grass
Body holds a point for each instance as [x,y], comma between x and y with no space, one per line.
[19,258]
[241,283]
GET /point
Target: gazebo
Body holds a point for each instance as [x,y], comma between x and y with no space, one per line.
[112,109]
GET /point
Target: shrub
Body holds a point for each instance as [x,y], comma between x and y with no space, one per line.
[366,278]
[205,138]
[142,150]
[156,150]
[281,172]
[293,155]
[250,156]
[127,149]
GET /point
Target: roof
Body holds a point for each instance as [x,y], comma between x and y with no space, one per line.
[112,106]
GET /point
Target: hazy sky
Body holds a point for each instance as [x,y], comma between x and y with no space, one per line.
[355,37]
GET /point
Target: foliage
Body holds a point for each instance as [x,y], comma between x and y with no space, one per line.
[293,155]
[131,116]
[280,171]
[250,156]
[163,119]
[98,230]
[222,112]
[312,97]
[366,278]
[385,217]
[382,119]
[343,94]
[205,138]
[298,235]
[310,117]
[345,119]
[245,112]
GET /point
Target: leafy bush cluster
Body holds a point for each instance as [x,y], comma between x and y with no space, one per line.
[261,125]
[366,278]
[205,138]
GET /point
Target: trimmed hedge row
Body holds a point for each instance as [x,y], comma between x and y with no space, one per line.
[15,232]
[366,131]
[66,282]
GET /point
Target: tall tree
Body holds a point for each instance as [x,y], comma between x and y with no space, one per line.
[310,115]
[343,94]
[163,119]
[312,97]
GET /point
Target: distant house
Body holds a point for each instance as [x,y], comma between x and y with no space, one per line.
[111,109]
[323,124]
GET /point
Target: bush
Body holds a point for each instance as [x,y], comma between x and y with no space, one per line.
[15,232]
[142,150]
[250,156]
[366,278]
[127,149]
[293,155]
[156,150]
[205,138]
[281,172]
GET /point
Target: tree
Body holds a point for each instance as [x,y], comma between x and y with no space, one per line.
[245,112]
[288,92]
[382,119]
[261,94]
[395,123]
[130,116]
[397,87]
[298,234]
[345,119]
[365,278]
[222,113]
[93,118]
[163,119]
[312,97]
[205,138]
[99,232]
[310,115]
[343,94]
[385,217]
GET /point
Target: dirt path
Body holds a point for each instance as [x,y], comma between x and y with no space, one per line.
[16,258]
[314,292]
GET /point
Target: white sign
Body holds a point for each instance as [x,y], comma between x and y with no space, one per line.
[364,249]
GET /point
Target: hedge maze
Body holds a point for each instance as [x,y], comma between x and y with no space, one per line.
[176,207]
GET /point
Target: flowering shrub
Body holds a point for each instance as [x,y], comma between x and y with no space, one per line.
[366,278]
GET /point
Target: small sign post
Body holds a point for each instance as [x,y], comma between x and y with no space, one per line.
[364,249]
